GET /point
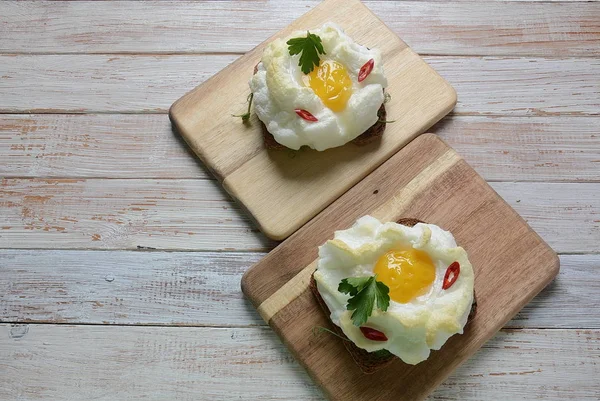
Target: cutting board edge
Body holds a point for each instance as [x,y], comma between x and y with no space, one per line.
[549,263]
[247,291]
[551,272]
[180,114]
[180,130]
[278,233]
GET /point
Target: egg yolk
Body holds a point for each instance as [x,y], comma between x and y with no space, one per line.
[408,273]
[331,83]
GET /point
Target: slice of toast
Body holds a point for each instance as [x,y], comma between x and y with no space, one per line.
[374,132]
[369,362]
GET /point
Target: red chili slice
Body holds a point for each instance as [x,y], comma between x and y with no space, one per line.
[451,275]
[372,334]
[306,115]
[365,70]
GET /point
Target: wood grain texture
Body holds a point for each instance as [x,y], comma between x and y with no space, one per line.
[428,181]
[116,83]
[538,107]
[147,363]
[574,200]
[75,146]
[198,215]
[278,191]
[559,148]
[534,86]
[125,288]
[122,214]
[203,289]
[150,83]
[154,363]
[449,28]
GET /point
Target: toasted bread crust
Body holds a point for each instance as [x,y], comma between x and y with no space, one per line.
[374,132]
[369,362]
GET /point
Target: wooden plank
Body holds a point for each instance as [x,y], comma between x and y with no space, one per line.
[529,374]
[123,214]
[158,288]
[522,86]
[197,215]
[426,180]
[277,190]
[147,363]
[457,28]
[577,273]
[526,149]
[86,83]
[184,363]
[560,148]
[551,209]
[74,146]
[150,83]
[108,146]
[203,289]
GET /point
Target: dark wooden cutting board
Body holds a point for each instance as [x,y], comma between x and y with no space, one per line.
[429,181]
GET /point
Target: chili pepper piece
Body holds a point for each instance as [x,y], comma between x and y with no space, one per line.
[365,70]
[306,115]
[451,275]
[372,334]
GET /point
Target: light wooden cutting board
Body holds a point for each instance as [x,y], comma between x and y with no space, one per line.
[283,189]
[429,181]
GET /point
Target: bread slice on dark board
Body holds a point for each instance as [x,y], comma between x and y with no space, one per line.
[374,132]
[369,362]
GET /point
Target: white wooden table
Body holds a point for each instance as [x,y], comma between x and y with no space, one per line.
[121,257]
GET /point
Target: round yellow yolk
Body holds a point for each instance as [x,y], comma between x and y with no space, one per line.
[331,83]
[408,273]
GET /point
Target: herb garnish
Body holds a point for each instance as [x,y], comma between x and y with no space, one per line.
[310,47]
[318,329]
[365,292]
[246,115]
[386,98]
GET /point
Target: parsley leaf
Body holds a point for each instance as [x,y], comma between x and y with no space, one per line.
[309,49]
[365,292]
[352,285]
[246,115]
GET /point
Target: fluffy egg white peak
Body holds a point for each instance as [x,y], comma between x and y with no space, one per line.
[413,328]
[279,90]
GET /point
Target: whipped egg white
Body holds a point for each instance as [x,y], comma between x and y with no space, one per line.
[343,107]
[424,315]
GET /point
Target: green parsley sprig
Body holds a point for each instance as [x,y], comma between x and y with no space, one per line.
[246,115]
[318,329]
[365,292]
[309,49]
